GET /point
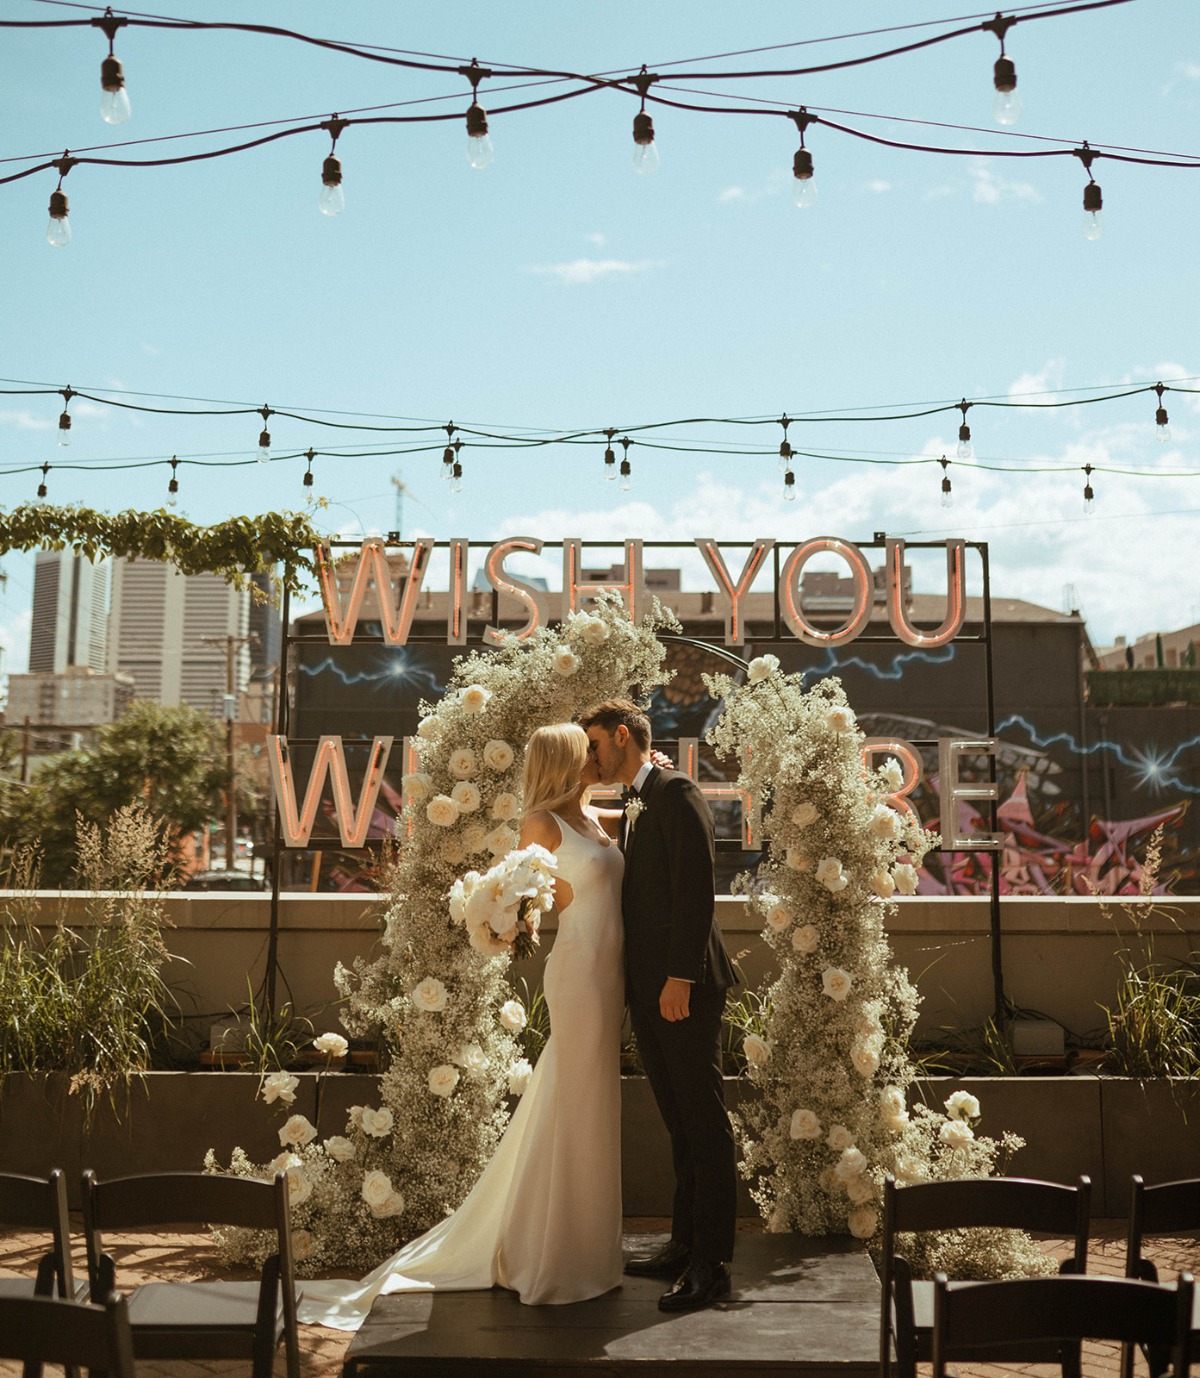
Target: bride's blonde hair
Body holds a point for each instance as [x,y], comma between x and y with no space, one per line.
[554,761]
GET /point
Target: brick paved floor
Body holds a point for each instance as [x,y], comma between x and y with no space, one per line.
[186,1256]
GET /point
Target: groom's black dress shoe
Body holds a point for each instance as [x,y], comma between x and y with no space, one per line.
[669,1261]
[701,1285]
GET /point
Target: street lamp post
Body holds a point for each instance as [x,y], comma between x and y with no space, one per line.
[232,645]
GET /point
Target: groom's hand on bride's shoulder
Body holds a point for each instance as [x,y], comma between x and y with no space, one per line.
[661,761]
[675,999]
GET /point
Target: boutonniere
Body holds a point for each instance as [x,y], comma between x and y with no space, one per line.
[633,811]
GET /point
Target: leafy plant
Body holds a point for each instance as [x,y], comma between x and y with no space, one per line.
[748,1013]
[533,1036]
[272,1038]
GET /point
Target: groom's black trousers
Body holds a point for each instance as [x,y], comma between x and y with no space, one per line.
[683,1065]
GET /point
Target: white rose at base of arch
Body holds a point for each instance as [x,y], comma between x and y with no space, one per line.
[804,815]
[512,1016]
[806,939]
[505,807]
[905,877]
[956,1133]
[475,698]
[296,1132]
[429,995]
[762,667]
[804,1125]
[331,1045]
[757,1050]
[962,1105]
[278,1086]
[377,1123]
[836,983]
[839,1137]
[795,860]
[863,1222]
[300,1186]
[444,1078]
[883,884]
[566,662]
[860,1190]
[851,1164]
[382,1199]
[283,1161]
[520,1074]
[831,876]
[466,795]
[339,1148]
[498,755]
[442,811]
[473,1060]
[893,1110]
[865,1059]
[462,763]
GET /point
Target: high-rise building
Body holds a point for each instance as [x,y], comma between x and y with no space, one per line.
[172,632]
[70,593]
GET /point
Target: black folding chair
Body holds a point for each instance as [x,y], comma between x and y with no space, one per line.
[196,1320]
[970,1318]
[906,1305]
[1167,1208]
[49,1330]
[39,1203]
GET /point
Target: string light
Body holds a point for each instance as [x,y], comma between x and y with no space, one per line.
[947,489]
[645,150]
[479,144]
[64,421]
[456,472]
[58,231]
[610,458]
[173,486]
[1006,108]
[785,449]
[448,452]
[309,455]
[264,436]
[114,99]
[1093,201]
[332,200]
[1088,494]
[626,479]
[42,485]
[804,189]
[964,431]
[789,486]
[1162,424]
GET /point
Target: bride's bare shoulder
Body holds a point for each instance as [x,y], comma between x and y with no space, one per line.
[541,827]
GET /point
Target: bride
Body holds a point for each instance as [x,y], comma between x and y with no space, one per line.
[544,1219]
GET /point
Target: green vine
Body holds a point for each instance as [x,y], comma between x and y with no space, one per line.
[234,549]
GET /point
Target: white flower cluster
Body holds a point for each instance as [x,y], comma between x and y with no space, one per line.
[505,904]
[829,1064]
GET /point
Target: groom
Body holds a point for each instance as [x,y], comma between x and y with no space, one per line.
[677,973]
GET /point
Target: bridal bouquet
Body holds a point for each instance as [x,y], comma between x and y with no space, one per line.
[502,908]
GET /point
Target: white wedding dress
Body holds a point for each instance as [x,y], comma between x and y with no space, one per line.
[544,1219]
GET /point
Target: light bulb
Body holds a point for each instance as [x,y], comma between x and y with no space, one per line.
[114,99]
[645,150]
[1162,430]
[626,480]
[332,200]
[448,463]
[264,447]
[785,457]
[58,231]
[479,145]
[947,493]
[964,442]
[456,483]
[1093,226]
[789,486]
[804,189]
[610,464]
[64,428]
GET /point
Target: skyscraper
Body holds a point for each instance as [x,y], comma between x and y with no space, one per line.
[69,613]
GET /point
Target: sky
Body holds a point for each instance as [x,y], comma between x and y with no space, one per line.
[559,290]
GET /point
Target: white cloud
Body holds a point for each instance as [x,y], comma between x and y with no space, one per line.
[14,641]
[586,270]
[25,420]
[878,186]
[939,193]
[989,188]
[1049,378]
[732,194]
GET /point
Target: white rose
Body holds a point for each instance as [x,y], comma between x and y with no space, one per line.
[354,1117]
[497,755]
[757,1050]
[962,1105]
[865,1059]
[443,1079]
[429,995]
[829,873]
[505,807]
[284,1162]
[442,811]
[840,719]
[279,1086]
[956,1133]
[796,860]
[376,1187]
[804,1125]
[762,667]
[377,1123]
[863,1222]
[474,838]
[519,1076]
[852,1162]
[512,1016]
[331,1044]
[566,662]
[806,939]
[417,784]
[392,1206]
[462,763]
[779,917]
[483,940]
[472,1059]
[884,823]
[805,814]
[836,983]
[466,795]
[475,698]
[340,1149]
[909,1169]
[303,1245]
[300,1187]
[892,773]
[501,841]
[297,1132]
[892,1107]
[860,1190]
[460,893]
[594,631]
[430,728]
[905,877]
[882,883]
[839,1138]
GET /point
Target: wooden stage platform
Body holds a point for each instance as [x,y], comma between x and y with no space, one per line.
[808,1306]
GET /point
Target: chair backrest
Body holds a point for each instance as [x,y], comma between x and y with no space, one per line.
[1165,1208]
[1065,1308]
[176,1198]
[41,1203]
[49,1330]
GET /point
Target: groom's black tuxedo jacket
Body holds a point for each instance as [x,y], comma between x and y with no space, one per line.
[667,898]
